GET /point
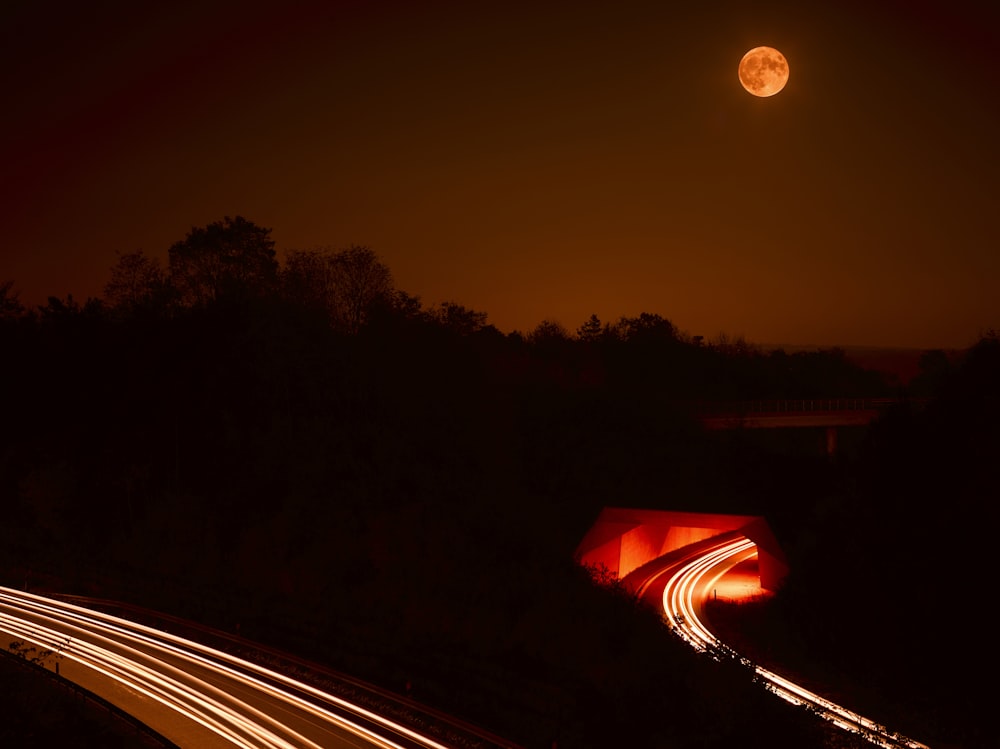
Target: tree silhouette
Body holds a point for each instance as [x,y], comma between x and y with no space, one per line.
[548,333]
[10,306]
[647,328]
[934,368]
[458,318]
[258,469]
[307,280]
[362,281]
[136,282]
[346,284]
[231,260]
[69,311]
[591,330]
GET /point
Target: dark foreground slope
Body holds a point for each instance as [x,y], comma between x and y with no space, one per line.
[38,710]
[403,503]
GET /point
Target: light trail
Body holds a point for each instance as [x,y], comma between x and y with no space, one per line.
[687,584]
[245,704]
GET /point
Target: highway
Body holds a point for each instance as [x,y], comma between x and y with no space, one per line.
[682,585]
[196,695]
[190,693]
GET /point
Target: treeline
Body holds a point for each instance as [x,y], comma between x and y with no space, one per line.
[304,452]
[231,267]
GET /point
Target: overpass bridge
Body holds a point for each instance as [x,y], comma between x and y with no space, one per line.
[827,413]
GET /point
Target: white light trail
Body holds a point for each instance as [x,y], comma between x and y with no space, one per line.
[689,583]
[198,682]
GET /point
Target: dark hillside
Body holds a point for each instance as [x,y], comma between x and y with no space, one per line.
[398,493]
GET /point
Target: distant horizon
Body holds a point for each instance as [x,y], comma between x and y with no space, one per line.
[534,161]
[41,299]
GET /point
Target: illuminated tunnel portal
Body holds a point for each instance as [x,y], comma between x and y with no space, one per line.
[623,540]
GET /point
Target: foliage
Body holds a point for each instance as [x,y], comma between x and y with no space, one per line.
[10,307]
[361,281]
[548,333]
[591,330]
[38,656]
[647,328]
[458,318]
[137,283]
[399,491]
[345,285]
[35,712]
[228,260]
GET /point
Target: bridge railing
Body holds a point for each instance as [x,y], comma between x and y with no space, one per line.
[793,405]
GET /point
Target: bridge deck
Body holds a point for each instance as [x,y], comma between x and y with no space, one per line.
[768,414]
[776,419]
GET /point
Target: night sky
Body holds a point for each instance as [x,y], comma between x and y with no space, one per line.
[532,160]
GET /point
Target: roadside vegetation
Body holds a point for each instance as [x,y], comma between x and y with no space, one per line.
[36,710]
[300,452]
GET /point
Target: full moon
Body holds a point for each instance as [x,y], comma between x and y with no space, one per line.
[763,71]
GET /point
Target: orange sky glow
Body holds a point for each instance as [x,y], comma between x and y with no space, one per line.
[531,160]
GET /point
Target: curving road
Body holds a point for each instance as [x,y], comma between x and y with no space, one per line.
[683,584]
[192,694]
[199,696]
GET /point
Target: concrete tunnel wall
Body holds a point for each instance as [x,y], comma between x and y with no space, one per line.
[624,539]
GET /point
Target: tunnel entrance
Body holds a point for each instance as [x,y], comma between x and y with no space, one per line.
[623,539]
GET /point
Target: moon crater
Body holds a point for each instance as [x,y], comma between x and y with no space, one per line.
[763,71]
